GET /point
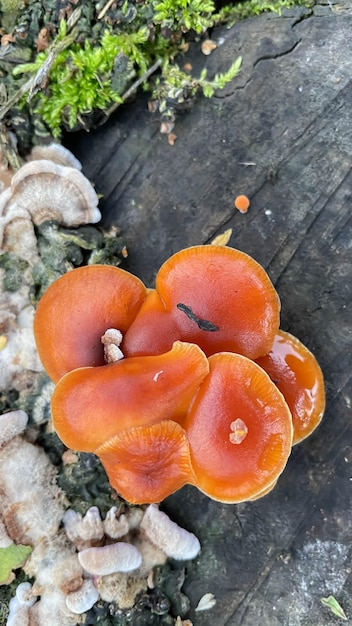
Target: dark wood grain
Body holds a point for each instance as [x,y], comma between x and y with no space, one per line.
[289,113]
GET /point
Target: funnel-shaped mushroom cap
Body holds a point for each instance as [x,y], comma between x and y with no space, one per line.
[218,298]
[239,429]
[91,405]
[153,331]
[295,371]
[147,464]
[76,311]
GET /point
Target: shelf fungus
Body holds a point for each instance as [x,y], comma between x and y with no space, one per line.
[175,541]
[48,187]
[114,557]
[189,382]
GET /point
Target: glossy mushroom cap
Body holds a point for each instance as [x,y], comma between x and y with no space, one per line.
[77,309]
[295,371]
[217,297]
[239,429]
[91,405]
[147,464]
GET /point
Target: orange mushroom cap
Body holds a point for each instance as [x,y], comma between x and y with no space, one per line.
[295,371]
[147,464]
[239,429]
[77,309]
[152,324]
[92,404]
[242,203]
[217,297]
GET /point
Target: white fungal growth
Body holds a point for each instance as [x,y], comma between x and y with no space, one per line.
[175,541]
[57,153]
[116,557]
[121,589]
[48,190]
[31,502]
[111,340]
[24,594]
[84,531]
[5,540]
[114,526]
[92,525]
[84,598]
[18,614]
[11,424]
[239,431]
[51,610]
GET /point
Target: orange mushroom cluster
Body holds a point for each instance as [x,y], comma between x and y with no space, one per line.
[190,382]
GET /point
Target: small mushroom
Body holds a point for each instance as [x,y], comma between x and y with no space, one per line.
[239,429]
[77,309]
[91,405]
[242,203]
[148,463]
[105,560]
[217,297]
[176,542]
[295,371]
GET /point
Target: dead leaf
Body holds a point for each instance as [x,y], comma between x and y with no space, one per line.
[222,239]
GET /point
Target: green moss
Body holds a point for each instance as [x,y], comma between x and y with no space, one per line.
[10,10]
[184,15]
[233,13]
[95,62]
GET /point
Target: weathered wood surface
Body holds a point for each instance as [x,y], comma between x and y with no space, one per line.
[289,114]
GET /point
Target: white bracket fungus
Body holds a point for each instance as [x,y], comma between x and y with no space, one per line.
[84,598]
[175,541]
[116,557]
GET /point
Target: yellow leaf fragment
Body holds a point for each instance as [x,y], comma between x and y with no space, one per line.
[11,558]
[222,239]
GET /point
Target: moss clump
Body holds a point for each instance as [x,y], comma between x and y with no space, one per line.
[69,65]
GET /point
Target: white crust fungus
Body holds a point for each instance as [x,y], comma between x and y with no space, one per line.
[11,424]
[57,153]
[51,187]
[84,598]
[175,541]
[105,560]
[49,191]
[114,526]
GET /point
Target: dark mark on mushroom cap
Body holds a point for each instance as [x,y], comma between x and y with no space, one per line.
[202,324]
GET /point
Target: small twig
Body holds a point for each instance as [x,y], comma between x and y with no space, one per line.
[105,9]
[39,80]
[134,87]
[8,151]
